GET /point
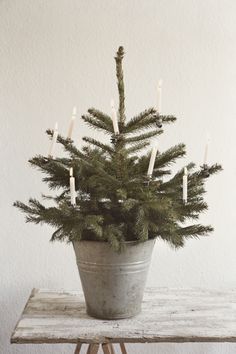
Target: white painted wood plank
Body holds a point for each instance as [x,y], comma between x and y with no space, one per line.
[168,315]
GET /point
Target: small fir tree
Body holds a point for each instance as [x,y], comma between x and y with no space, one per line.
[115,199]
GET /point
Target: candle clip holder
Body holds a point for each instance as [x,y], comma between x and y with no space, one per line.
[147,180]
[205,170]
[115,138]
[158,121]
[75,206]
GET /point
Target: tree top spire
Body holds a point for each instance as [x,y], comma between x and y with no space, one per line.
[120,83]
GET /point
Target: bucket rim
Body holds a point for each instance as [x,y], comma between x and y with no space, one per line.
[123,242]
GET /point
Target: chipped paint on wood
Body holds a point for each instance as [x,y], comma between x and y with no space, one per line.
[168,315]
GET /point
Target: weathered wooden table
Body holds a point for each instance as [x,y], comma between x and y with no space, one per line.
[169,315]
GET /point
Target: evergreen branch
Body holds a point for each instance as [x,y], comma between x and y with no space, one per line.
[34,203]
[98,174]
[59,234]
[96,124]
[144,136]
[212,170]
[169,156]
[137,147]
[147,119]
[45,163]
[141,225]
[120,83]
[195,207]
[134,123]
[167,118]
[24,208]
[176,180]
[57,198]
[56,171]
[102,117]
[104,147]
[195,230]
[37,213]
[129,204]
[141,166]
[67,144]
[94,224]
[197,178]
[39,161]
[114,236]
[191,210]
[147,123]
[157,173]
[169,233]
[162,160]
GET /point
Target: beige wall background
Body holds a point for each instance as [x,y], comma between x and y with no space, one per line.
[59,53]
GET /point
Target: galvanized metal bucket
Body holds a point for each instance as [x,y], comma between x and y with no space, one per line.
[113,283]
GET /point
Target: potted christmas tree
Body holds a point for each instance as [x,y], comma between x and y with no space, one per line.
[114,201]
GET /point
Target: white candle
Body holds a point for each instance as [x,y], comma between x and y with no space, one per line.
[72,123]
[152,161]
[185,185]
[53,141]
[159,96]
[72,188]
[206,152]
[114,118]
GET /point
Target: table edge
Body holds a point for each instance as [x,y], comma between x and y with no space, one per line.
[16,340]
